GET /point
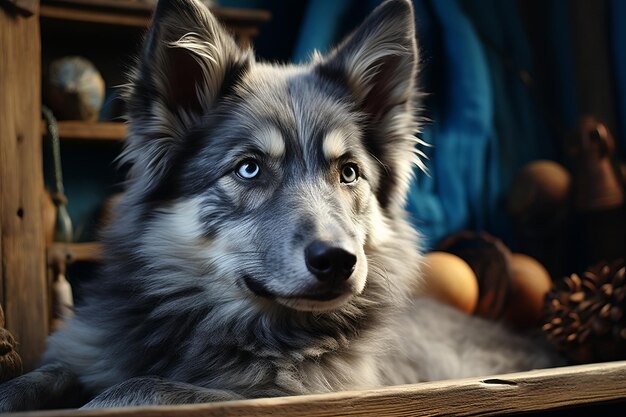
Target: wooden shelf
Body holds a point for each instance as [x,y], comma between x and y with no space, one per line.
[93,131]
[70,253]
[534,391]
[138,14]
[110,17]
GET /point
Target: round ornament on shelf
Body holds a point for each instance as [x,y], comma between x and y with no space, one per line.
[74,89]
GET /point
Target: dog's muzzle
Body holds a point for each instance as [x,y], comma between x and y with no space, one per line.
[331,267]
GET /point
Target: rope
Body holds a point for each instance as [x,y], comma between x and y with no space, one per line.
[63,228]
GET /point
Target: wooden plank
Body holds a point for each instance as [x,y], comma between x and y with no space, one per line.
[547,389]
[75,252]
[241,15]
[21,186]
[76,129]
[112,4]
[94,16]
[229,16]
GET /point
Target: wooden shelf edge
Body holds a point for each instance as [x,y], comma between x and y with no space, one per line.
[540,390]
[140,17]
[96,131]
[118,18]
[70,253]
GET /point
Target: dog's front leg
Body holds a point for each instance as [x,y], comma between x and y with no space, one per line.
[157,391]
[51,385]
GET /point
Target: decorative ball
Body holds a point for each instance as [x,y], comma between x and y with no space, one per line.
[530,283]
[585,316]
[10,361]
[75,89]
[540,194]
[450,279]
[489,259]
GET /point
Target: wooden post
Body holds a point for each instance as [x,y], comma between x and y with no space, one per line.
[23,283]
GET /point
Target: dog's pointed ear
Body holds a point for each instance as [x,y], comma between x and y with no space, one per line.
[378,63]
[379,60]
[187,63]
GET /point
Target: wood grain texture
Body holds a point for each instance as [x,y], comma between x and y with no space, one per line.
[80,130]
[74,252]
[111,4]
[226,13]
[24,295]
[94,16]
[231,17]
[513,393]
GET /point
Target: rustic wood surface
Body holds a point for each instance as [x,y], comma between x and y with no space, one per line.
[240,15]
[513,393]
[94,16]
[77,130]
[112,4]
[231,17]
[75,252]
[22,241]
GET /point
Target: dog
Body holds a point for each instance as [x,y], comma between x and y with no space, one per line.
[261,247]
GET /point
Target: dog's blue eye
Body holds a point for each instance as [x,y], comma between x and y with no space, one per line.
[349,173]
[248,169]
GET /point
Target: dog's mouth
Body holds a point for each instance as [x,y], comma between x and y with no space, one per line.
[319,300]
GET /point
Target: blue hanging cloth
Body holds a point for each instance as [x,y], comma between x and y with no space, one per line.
[451,196]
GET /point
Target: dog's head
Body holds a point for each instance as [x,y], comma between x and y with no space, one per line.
[269,183]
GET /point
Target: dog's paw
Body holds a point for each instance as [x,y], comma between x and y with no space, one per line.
[14,397]
[157,391]
[51,385]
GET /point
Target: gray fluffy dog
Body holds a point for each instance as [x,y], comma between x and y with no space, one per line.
[261,246]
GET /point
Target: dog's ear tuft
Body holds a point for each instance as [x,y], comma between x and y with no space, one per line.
[187,63]
[378,63]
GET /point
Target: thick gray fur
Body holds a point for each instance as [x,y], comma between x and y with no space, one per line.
[205,294]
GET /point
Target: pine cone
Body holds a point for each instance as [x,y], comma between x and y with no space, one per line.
[585,316]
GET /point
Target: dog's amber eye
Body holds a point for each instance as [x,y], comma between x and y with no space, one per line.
[349,173]
[248,169]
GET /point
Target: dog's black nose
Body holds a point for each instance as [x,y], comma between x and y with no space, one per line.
[328,262]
